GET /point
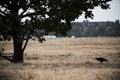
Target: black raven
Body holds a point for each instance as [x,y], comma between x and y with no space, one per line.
[101,60]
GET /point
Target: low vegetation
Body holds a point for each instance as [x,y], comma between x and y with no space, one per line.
[64,59]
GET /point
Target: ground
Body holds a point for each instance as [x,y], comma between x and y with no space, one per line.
[64,59]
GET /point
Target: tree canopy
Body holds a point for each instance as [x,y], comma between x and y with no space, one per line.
[19,18]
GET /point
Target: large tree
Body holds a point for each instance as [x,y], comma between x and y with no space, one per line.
[19,18]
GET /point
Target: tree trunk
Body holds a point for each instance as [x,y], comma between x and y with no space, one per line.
[18,52]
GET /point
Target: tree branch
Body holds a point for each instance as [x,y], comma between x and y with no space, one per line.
[23,12]
[7,57]
[29,14]
[25,44]
[28,37]
[2,13]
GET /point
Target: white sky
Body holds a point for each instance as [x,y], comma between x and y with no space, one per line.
[105,15]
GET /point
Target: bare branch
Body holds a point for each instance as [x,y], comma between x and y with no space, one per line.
[23,12]
[25,9]
[29,14]
[25,44]
[28,37]
[2,13]
[7,57]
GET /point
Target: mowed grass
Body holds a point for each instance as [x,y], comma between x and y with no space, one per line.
[64,59]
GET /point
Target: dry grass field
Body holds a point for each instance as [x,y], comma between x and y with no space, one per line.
[64,59]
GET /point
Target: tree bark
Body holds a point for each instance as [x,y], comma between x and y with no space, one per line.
[18,52]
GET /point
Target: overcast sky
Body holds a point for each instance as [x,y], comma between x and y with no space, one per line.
[105,15]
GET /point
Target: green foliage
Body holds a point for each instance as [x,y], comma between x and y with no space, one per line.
[44,14]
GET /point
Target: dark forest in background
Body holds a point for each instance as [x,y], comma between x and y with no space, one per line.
[95,29]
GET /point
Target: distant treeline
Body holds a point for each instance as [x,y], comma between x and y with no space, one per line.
[87,29]
[95,31]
